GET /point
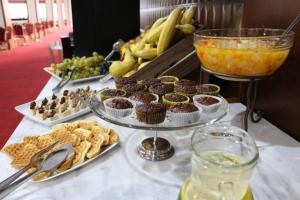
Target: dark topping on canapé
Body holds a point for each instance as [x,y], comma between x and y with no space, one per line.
[88,88]
[62,100]
[183,108]
[207,100]
[149,82]
[54,97]
[53,105]
[161,88]
[51,113]
[143,97]
[186,82]
[45,101]
[66,92]
[32,105]
[175,97]
[124,80]
[206,88]
[186,89]
[151,108]
[113,93]
[41,109]
[133,87]
[119,104]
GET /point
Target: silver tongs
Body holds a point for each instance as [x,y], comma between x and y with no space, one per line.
[63,82]
[49,164]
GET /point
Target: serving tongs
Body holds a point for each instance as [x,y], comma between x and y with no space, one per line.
[63,82]
[49,164]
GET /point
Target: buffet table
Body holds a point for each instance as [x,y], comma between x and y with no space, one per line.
[277,175]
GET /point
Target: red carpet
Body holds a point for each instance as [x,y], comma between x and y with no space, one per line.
[21,79]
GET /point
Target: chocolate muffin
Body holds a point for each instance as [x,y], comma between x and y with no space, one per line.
[149,82]
[172,98]
[109,93]
[207,100]
[209,89]
[144,97]
[132,88]
[119,103]
[186,90]
[160,89]
[121,81]
[153,113]
[183,108]
[185,82]
[168,79]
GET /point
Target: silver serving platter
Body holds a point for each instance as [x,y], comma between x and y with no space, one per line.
[103,151]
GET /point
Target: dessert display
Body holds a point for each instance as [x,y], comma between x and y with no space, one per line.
[184,113]
[188,90]
[133,88]
[118,106]
[161,88]
[144,97]
[152,113]
[208,103]
[185,82]
[210,89]
[121,81]
[85,67]
[242,52]
[87,137]
[173,98]
[140,51]
[110,93]
[168,79]
[60,106]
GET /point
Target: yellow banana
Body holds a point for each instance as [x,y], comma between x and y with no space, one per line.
[128,74]
[143,65]
[147,53]
[153,36]
[186,28]
[157,23]
[168,30]
[119,68]
[188,15]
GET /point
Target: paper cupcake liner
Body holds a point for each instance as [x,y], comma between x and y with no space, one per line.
[210,108]
[184,118]
[168,103]
[151,118]
[118,113]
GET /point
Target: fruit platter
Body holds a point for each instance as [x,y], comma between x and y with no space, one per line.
[86,69]
[58,108]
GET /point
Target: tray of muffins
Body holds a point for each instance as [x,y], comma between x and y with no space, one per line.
[161,103]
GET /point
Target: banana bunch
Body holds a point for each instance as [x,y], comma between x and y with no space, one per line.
[138,52]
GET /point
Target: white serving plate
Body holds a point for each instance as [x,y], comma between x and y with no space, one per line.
[46,69]
[103,151]
[24,109]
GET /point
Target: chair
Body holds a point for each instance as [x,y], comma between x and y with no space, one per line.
[29,31]
[19,34]
[51,25]
[39,31]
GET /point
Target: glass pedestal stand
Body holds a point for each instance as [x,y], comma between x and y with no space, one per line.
[156,148]
[251,93]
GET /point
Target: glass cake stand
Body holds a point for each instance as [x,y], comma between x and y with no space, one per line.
[156,148]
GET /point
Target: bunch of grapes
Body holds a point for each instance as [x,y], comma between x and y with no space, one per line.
[84,67]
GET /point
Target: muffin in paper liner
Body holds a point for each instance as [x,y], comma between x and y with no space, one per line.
[118,113]
[103,97]
[136,102]
[208,108]
[208,89]
[155,117]
[185,118]
[168,103]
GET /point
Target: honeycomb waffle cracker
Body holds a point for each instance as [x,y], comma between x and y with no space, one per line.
[83,134]
[86,124]
[66,126]
[65,137]
[113,137]
[31,139]
[41,176]
[23,157]
[96,130]
[66,165]
[80,152]
[12,150]
[96,143]
[44,141]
